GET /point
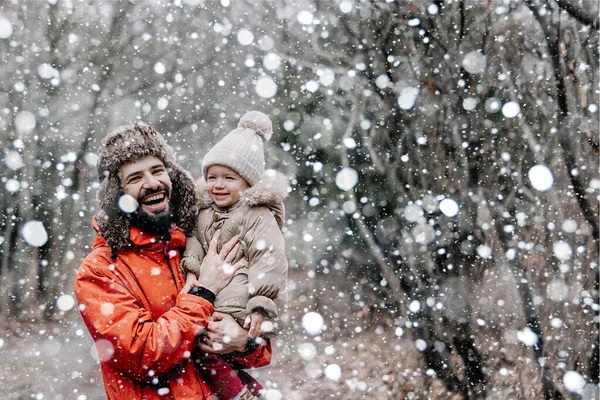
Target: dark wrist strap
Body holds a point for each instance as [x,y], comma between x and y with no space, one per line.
[252,346]
[204,293]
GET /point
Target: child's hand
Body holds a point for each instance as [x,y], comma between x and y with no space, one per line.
[190,282]
[254,321]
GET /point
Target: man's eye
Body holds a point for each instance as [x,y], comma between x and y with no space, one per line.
[133,180]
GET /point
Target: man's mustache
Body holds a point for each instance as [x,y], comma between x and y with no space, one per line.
[148,192]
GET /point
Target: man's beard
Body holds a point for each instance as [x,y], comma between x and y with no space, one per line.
[154,224]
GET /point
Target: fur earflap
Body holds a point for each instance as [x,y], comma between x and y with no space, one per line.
[113,224]
[270,192]
[273,187]
[183,198]
[202,193]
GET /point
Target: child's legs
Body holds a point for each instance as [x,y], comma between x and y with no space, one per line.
[220,376]
[252,384]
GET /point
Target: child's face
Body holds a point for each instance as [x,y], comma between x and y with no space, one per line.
[224,185]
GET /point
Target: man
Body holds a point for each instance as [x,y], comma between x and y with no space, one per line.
[129,288]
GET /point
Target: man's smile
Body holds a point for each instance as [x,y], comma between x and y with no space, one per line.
[154,198]
[155,202]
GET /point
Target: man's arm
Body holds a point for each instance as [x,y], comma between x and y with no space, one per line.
[131,341]
[136,344]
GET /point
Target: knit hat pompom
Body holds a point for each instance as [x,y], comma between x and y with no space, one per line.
[259,123]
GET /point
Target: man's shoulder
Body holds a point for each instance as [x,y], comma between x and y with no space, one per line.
[98,259]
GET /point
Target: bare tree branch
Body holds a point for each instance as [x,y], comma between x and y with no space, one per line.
[580,15]
[386,269]
[568,153]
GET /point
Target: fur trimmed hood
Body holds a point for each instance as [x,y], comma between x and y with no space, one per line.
[269,191]
[128,143]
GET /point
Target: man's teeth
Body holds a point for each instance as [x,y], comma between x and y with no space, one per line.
[156,197]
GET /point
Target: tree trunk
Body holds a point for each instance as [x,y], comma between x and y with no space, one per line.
[531,316]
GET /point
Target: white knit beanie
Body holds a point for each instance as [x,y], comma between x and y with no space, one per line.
[242,149]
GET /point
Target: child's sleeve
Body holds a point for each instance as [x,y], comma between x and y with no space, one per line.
[268,267]
[193,256]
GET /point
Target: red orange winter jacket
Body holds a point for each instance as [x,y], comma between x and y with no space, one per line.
[144,329]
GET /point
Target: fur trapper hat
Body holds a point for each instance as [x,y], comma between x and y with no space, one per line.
[129,143]
[242,149]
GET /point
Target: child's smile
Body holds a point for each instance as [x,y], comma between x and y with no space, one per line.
[224,185]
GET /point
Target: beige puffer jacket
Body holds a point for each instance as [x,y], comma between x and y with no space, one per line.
[257,218]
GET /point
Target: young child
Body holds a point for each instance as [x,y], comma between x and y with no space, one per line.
[240,198]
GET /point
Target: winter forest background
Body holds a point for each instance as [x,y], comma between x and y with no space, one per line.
[443,221]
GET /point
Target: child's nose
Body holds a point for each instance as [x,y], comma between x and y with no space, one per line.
[219,183]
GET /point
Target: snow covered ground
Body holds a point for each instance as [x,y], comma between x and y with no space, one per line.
[56,361]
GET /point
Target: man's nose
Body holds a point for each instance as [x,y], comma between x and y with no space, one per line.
[151,182]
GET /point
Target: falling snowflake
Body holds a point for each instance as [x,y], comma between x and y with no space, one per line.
[13,160]
[527,336]
[266,87]
[6,28]
[34,233]
[346,178]
[245,37]
[408,98]
[541,178]
[474,62]
[312,322]
[65,302]
[333,372]
[128,204]
[25,122]
[511,109]
[574,382]
[449,207]
[305,17]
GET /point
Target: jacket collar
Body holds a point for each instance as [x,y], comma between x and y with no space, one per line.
[145,241]
[226,209]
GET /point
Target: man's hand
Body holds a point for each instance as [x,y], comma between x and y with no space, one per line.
[254,321]
[190,282]
[223,335]
[216,270]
